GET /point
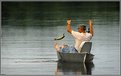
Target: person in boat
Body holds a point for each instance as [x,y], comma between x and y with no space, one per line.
[80,37]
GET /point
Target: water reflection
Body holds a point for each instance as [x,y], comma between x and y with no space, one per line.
[74,68]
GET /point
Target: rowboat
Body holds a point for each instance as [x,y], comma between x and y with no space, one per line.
[83,56]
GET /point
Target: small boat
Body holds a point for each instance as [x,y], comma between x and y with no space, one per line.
[83,56]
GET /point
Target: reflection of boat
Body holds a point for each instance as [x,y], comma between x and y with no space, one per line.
[74,68]
[84,56]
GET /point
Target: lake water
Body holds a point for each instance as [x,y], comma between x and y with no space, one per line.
[28,30]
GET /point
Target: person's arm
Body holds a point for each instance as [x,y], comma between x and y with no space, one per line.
[91,27]
[68,28]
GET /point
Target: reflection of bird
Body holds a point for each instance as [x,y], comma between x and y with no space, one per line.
[60,37]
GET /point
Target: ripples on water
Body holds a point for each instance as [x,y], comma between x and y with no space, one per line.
[28,30]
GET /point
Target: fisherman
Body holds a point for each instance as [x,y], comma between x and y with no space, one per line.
[80,37]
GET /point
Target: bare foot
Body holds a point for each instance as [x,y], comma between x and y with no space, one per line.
[56,46]
[63,45]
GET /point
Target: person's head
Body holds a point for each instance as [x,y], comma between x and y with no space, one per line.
[81,28]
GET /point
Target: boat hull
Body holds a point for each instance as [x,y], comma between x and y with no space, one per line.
[75,57]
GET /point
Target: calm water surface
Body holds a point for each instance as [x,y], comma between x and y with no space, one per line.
[28,30]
